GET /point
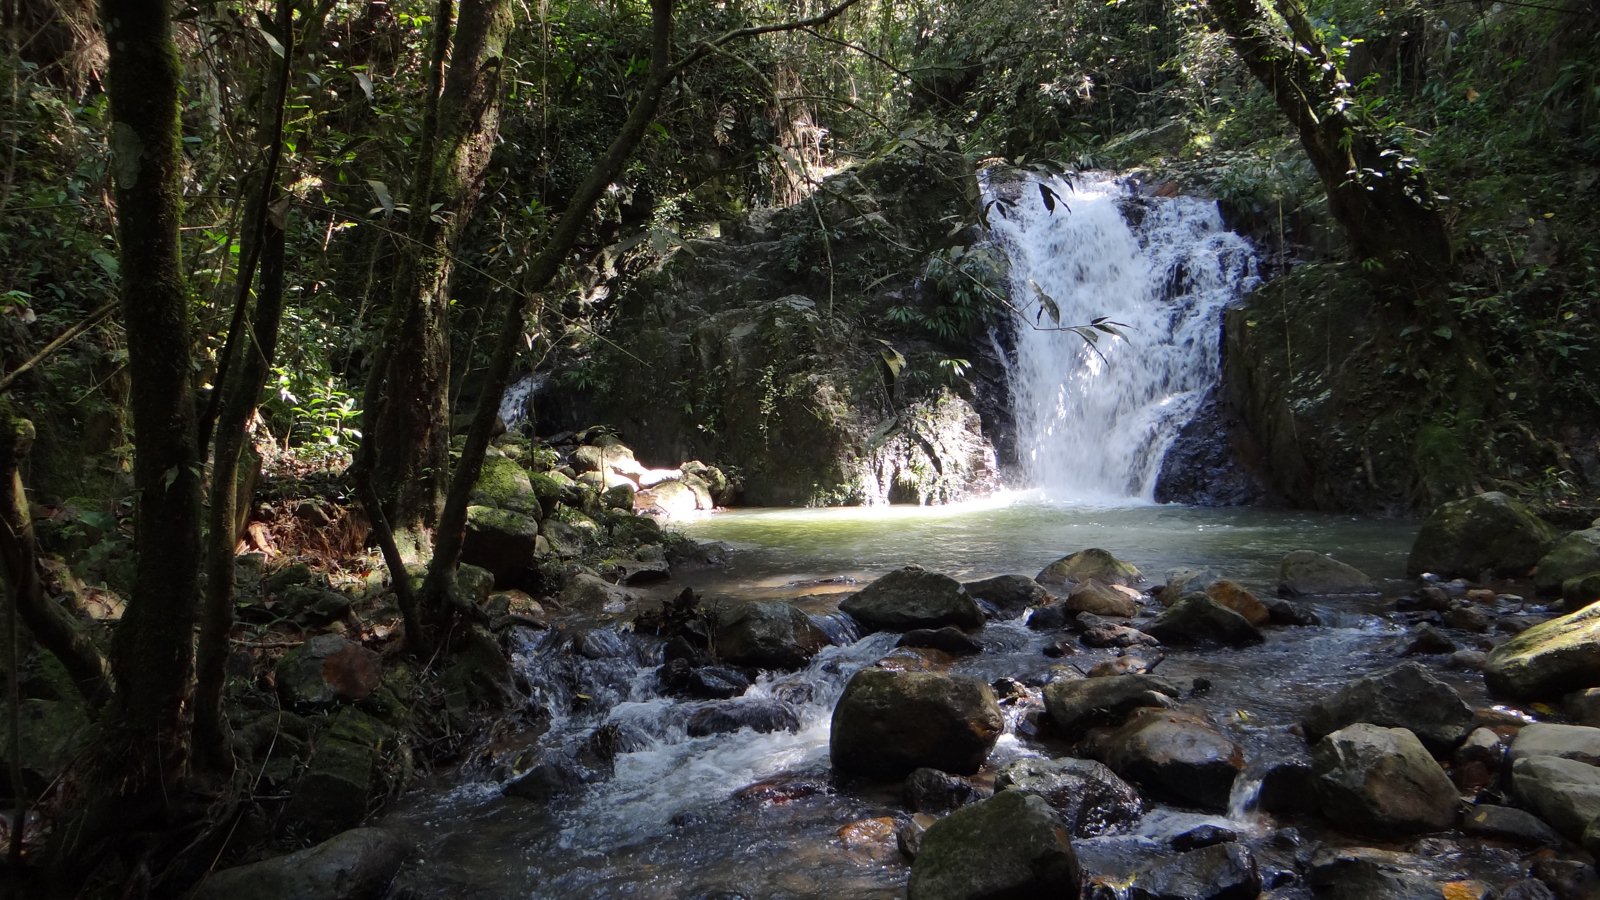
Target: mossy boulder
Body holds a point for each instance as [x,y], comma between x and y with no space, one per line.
[503,484]
[1548,660]
[1573,556]
[1198,621]
[1307,572]
[502,541]
[1011,845]
[356,761]
[913,597]
[1086,564]
[1490,532]
[887,724]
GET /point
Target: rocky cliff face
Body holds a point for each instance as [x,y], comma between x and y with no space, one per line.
[769,352]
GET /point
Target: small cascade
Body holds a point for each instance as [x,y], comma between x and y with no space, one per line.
[1094,421]
[514,403]
[604,682]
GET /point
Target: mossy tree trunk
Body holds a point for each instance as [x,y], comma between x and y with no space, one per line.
[143,749]
[409,431]
[1384,205]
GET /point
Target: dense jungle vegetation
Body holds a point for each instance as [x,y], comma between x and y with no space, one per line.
[255,255]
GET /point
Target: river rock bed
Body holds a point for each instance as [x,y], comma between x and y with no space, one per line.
[1329,745]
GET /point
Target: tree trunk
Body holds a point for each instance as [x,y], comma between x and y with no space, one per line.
[143,749]
[452,526]
[410,433]
[1384,206]
[238,394]
[51,626]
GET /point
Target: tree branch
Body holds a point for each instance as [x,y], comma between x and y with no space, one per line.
[706,47]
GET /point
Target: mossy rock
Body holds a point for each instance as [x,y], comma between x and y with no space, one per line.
[1489,532]
[1548,660]
[1092,563]
[357,761]
[504,484]
[1576,554]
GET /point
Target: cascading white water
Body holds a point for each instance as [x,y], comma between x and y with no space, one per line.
[1093,422]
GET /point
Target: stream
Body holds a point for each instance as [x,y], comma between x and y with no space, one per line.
[678,816]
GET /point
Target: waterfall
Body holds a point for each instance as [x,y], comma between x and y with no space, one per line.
[1094,421]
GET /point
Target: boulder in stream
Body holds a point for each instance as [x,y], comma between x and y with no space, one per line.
[1077,704]
[1572,556]
[1364,873]
[1224,871]
[1381,781]
[354,865]
[1305,572]
[1092,563]
[1578,742]
[912,597]
[1563,792]
[1089,798]
[1196,620]
[887,724]
[1010,595]
[1010,845]
[1490,532]
[1176,756]
[1549,659]
[1406,696]
[932,791]
[1095,597]
[760,715]
[769,635]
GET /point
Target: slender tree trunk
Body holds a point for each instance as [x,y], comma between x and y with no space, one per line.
[143,750]
[543,269]
[237,396]
[1385,207]
[51,626]
[411,431]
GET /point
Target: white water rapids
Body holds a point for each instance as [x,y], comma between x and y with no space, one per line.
[1094,421]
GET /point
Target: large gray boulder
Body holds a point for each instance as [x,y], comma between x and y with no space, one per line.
[1576,742]
[1092,563]
[1304,572]
[1079,703]
[1176,756]
[887,724]
[1548,660]
[1573,556]
[1563,792]
[1011,595]
[769,635]
[1381,781]
[913,597]
[1199,621]
[1225,871]
[1089,798]
[1406,696]
[1010,845]
[1490,532]
[355,865]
